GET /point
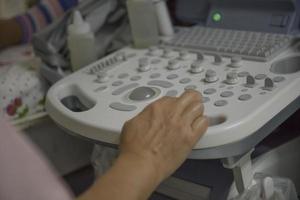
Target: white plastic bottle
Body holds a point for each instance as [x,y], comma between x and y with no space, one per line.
[81,43]
[143,23]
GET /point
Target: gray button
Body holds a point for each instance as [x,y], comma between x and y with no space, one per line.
[220,103]
[172,93]
[164,84]
[117,83]
[185,80]
[218,59]
[227,94]
[250,82]
[122,107]
[102,77]
[135,78]
[210,73]
[172,76]
[173,64]
[123,75]
[183,55]
[269,84]
[155,75]
[142,93]
[200,57]
[143,61]
[231,78]
[155,61]
[210,91]
[196,67]
[190,87]
[120,56]
[235,62]
[211,76]
[245,97]
[167,53]
[144,68]
[278,79]
[124,88]
[260,76]
[243,74]
[205,99]
[99,89]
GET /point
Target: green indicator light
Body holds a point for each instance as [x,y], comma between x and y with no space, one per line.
[217,17]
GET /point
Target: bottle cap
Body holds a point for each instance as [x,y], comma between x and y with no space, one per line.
[79,26]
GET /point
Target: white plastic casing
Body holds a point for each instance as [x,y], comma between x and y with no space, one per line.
[232,122]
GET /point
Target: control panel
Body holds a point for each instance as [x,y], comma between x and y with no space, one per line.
[239,95]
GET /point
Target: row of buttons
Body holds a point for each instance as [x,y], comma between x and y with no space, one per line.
[250,82]
[105,64]
[210,77]
[185,55]
[220,103]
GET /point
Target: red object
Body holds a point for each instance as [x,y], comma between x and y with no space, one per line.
[11,110]
[18,102]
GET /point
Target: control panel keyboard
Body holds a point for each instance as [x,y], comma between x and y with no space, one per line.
[249,45]
[239,95]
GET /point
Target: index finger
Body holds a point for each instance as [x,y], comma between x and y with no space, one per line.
[187,98]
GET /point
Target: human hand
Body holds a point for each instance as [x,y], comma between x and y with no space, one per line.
[164,133]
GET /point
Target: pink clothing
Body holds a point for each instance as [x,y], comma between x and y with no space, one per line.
[24,173]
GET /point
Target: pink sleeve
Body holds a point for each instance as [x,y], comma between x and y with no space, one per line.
[24,173]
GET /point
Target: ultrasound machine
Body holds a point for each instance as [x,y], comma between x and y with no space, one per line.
[242,55]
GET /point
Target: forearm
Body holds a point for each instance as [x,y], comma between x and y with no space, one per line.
[21,28]
[128,179]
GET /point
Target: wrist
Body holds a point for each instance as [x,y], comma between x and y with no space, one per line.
[144,166]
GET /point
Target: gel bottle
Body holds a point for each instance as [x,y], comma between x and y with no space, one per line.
[143,23]
[81,43]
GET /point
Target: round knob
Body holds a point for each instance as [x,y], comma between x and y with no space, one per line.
[144,65]
[183,55]
[235,62]
[120,57]
[102,77]
[167,53]
[232,78]
[269,84]
[250,81]
[173,64]
[217,59]
[200,57]
[196,67]
[152,51]
[211,76]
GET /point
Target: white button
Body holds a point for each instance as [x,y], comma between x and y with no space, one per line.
[184,55]
[235,62]
[167,53]
[211,76]
[196,67]
[232,78]
[102,77]
[173,64]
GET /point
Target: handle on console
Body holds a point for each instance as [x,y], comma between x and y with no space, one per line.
[67,100]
